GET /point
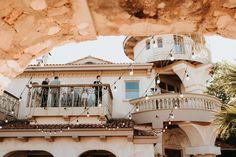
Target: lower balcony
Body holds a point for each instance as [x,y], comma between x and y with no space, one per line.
[70,100]
[156,109]
[9,106]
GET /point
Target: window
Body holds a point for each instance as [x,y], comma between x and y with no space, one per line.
[131,89]
[148,44]
[179,44]
[159,42]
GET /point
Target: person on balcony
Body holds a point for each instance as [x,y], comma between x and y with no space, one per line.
[84,97]
[44,93]
[55,92]
[98,91]
[70,96]
[64,100]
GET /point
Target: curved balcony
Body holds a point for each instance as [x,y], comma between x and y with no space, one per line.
[181,47]
[70,100]
[190,107]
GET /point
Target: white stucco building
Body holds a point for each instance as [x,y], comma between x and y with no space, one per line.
[155,106]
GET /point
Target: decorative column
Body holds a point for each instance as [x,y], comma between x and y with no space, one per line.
[202,139]
[199,75]
[158,149]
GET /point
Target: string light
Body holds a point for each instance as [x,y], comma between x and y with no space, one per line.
[131,73]
[187,77]
[68,128]
[171,115]
[169,122]
[176,106]
[115,89]
[99,104]
[12,111]
[158,79]
[172,57]
[6,120]
[88,114]
[20,99]
[137,108]
[130,117]
[193,55]
[77,122]
[181,95]
[166,127]
[146,97]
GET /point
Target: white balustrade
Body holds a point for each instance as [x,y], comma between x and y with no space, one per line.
[190,101]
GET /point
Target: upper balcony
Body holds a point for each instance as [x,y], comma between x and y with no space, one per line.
[9,106]
[186,107]
[166,49]
[70,100]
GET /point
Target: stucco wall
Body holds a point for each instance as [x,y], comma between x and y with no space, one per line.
[63,147]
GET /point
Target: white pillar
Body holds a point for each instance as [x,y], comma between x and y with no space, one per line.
[158,149]
[202,139]
[199,75]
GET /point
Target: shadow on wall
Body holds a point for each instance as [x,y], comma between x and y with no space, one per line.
[97,153]
[34,153]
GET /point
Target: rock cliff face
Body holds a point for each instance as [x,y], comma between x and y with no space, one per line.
[29,28]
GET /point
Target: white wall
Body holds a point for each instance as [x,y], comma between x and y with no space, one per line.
[119,146]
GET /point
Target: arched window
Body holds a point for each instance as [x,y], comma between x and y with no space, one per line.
[159,42]
[179,44]
[148,44]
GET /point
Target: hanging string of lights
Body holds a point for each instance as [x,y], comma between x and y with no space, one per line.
[131,73]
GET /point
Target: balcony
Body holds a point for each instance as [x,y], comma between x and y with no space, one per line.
[9,105]
[181,47]
[190,107]
[70,100]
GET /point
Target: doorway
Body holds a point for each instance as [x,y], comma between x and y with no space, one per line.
[173,153]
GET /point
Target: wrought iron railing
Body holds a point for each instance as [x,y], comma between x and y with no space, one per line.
[9,104]
[72,99]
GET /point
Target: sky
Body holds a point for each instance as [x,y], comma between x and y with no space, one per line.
[111,48]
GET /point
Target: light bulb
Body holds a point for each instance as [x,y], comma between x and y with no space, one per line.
[171,57]
[130,117]
[0,127]
[137,109]
[158,81]
[181,95]
[176,106]
[131,73]
[30,85]
[146,97]
[77,122]
[169,122]
[12,112]
[115,89]
[20,99]
[68,128]
[163,130]
[60,130]
[6,120]
[172,115]
[166,127]
[100,104]
[88,114]
[187,77]
[193,55]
